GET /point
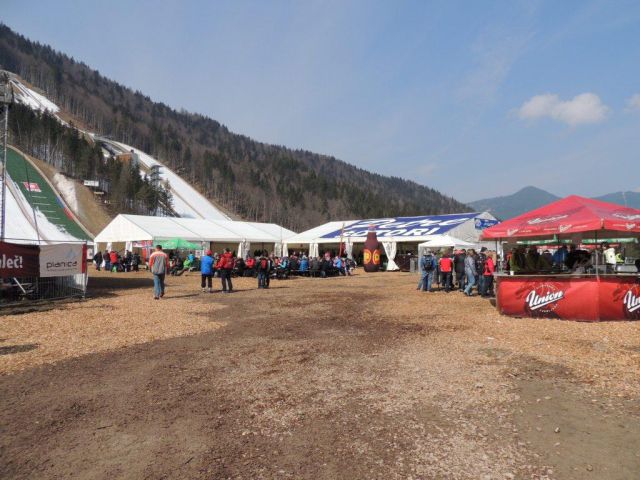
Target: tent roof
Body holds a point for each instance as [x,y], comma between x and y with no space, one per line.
[439,241]
[140,227]
[397,229]
[314,234]
[572,214]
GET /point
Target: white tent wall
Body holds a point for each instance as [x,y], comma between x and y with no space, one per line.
[217,234]
[390,249]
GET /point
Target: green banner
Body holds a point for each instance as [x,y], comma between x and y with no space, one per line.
[176,244]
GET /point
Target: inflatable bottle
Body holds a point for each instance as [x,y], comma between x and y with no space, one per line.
[371,251]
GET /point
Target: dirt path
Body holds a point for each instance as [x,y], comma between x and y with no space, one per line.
[321,379]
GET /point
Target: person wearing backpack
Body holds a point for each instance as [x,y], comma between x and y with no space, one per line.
[225,266]
[206,271]
[427,267]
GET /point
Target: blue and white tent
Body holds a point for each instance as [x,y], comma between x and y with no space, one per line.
[466,227]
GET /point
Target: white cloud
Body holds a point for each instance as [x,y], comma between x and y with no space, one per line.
[583,108]
[634,102]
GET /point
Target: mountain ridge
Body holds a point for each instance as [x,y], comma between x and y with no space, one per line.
[530,197]
[254,180]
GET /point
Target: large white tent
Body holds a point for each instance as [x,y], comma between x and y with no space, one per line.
[464,228]
[127,229]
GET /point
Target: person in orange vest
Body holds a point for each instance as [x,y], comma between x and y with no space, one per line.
[159,266]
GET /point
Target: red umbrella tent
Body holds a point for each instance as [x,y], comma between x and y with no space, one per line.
[570,295]
[569,215]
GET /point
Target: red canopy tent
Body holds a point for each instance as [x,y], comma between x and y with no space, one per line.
[569,215]
[564,295]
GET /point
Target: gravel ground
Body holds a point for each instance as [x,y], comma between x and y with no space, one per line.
[360,377]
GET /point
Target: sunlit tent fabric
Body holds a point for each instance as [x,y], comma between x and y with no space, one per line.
[571,215]
[393,231]
[443,241]
[135,228]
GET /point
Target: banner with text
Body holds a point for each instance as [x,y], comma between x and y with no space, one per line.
[18,260]
[571,298]
[409,227]
[62,259]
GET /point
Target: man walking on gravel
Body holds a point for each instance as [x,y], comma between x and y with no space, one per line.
[159,266]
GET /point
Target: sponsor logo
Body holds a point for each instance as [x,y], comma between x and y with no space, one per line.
[564,228]
[550,218]
[511,231]
[15,261]
[627,216]
[61,265]
[543,298]
[31,187]
[631,303]
[630,226]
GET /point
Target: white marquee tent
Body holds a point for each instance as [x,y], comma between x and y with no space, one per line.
[460,229]
[128,229]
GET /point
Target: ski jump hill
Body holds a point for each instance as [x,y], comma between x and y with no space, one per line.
[36,210]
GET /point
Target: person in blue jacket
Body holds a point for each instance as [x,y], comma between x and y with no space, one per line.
[304,264]
[206,271]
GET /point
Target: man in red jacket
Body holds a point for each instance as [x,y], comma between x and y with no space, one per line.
[446,270]
[225,267]
[489,268]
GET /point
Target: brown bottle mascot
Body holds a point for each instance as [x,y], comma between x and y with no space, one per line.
[371,251]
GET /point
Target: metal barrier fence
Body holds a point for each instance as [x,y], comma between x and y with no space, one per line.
[23,291]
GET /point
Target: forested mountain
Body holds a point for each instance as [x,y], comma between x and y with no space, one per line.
[257,181]
[509,206]
[530,198]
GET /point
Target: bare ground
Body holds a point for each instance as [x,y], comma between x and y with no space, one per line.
[361,377]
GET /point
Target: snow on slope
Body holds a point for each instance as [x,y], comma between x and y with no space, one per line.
[34,100]
[20,225]
[187,201]
[67,188]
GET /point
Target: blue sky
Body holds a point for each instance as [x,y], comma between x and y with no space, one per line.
[475,99]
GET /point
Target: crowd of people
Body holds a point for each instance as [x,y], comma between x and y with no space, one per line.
[567,259]
[114,262]
[261,265]
[461,270]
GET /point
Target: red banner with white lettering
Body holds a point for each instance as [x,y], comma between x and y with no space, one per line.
[18,260]
[570,298]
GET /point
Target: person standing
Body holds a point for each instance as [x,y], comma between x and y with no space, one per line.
[470,271]
[97,259]
[458,262]
[263,270]
[428,267]
[446,270]
[206,271]
[159,265]
[481,260]
[225,267]
[487,284]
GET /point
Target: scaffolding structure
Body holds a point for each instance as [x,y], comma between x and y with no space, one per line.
[6,98]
